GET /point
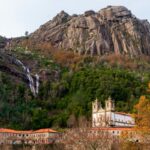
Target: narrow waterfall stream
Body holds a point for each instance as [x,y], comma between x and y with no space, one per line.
[37,84]
[33,83]
[33,80]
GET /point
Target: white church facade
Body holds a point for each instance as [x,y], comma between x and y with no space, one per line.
[107,117]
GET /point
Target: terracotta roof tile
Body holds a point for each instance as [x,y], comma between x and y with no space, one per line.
[3,130]
[44,130]
[122,113]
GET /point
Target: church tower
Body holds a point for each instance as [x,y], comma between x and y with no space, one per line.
[96,106]
[109,105]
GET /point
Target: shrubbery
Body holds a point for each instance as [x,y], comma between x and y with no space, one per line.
[71,95]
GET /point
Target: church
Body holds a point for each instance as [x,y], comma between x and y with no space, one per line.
[108,117]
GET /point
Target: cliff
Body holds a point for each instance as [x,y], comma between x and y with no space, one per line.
[113,29]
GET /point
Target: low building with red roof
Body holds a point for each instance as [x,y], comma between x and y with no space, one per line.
[41,136]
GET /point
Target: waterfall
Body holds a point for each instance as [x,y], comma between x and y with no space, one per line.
[37,84]
[33,80]
[34,85]
[20,63]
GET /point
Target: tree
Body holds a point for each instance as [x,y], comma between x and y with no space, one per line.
[142,118]
[87,139]
[72,121]
[143,113]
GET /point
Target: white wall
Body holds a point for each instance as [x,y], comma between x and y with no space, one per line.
[122,119]
[112,118]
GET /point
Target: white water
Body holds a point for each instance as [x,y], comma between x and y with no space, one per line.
[33,81]
[34,85]
[37,84]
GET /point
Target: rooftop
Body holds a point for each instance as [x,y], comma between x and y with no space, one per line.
[113,128]
[48,130]
[123,113]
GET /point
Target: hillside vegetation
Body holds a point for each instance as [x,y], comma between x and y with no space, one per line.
[76,59]
[68,89]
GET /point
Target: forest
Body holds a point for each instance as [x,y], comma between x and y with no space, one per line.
[66,102]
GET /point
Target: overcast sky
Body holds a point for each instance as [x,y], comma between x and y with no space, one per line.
[18,16]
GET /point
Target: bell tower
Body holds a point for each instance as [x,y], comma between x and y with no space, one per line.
[110,105]
[96,105]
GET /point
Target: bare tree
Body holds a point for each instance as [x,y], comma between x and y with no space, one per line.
[87,139]
[72,121]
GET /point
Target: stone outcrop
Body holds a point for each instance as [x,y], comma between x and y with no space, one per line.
[113,29]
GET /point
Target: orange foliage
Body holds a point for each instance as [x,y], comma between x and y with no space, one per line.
[143,114]
[45,47]
[71,59]
[63,57]
[67,58]
[117,59]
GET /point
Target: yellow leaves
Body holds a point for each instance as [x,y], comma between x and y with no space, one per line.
[142,98]
[143,104]
[142,117]
[124,135]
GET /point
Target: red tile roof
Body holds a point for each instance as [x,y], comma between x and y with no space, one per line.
[122,113]
[3,130]
[45,131]
[25,132]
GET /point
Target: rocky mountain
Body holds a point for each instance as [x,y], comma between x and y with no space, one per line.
[113,29]
[42,87]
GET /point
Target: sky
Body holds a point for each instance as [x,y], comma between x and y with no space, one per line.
[18,16]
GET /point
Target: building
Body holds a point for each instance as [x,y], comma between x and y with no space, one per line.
[108,117]
[115,131]
[45,136]
[41,136]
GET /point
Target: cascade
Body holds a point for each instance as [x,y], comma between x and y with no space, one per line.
[37,84]
[34,85]
[33,81]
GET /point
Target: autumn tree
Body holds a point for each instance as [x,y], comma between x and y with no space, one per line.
[141,134]
[142,118]
[143,113]
[72,121]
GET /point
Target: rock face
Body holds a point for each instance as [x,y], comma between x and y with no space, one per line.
[113,29]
